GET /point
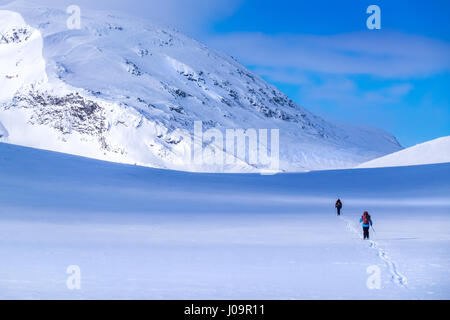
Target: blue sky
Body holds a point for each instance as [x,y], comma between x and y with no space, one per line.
[323,56]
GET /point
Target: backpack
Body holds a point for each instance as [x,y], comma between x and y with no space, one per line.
[366,218]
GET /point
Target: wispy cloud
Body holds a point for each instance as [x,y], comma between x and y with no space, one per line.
[386,54]
[342,91]
[283,75]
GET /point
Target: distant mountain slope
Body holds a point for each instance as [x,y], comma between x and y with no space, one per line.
[124,90]
[434,151]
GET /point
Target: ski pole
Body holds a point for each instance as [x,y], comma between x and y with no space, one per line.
[375,234]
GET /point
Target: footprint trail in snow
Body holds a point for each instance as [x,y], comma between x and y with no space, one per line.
[396,276]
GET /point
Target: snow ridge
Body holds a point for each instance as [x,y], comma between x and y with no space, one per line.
[430,152]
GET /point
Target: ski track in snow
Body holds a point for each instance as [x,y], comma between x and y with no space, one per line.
[396,276]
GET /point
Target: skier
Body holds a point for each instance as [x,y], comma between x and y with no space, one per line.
[338,206]
[366,224]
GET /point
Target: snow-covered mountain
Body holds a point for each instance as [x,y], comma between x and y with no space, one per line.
[125,90]
[430,152]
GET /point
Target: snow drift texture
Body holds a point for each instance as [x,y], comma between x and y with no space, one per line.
[121,89]
[144,233]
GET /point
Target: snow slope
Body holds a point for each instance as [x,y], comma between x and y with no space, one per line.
[3,132]
[21,58]
[146,233]
[434,151]
[124,90]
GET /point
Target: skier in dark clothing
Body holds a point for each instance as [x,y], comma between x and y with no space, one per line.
[338,206]
[366,221]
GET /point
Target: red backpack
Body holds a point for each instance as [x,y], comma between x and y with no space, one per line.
[366,218]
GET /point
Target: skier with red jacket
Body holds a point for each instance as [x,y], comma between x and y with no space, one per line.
[366,221]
